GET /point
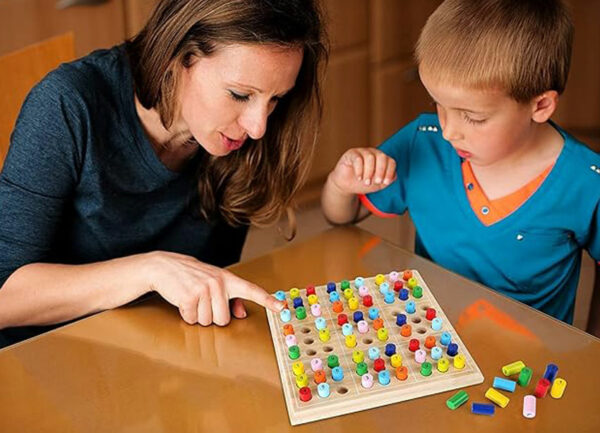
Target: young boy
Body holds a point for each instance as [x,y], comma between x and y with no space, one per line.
[497,192]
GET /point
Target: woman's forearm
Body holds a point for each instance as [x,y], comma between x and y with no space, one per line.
[43,294]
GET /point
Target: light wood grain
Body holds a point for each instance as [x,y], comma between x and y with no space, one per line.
[348,395]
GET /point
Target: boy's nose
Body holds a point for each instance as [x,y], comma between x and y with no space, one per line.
[450,131]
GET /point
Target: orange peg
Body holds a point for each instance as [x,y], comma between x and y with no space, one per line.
[401,372]
[377,323]
[406,330]
[338,307]
[430,342]
[320,376]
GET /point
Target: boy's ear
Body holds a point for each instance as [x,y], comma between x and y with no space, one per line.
[544,106]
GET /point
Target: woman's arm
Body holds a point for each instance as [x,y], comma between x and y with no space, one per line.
[42,294]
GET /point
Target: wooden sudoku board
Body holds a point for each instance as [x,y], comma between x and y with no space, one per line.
[412,373]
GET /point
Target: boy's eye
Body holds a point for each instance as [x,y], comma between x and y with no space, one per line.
[239,97]
[472,121]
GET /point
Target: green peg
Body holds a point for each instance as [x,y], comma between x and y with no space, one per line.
[426,369]
[333,361]
[457,399]
[294,352]
[301,313]
[417,292]
[525,376]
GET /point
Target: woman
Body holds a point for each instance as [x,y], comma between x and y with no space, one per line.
[139,168]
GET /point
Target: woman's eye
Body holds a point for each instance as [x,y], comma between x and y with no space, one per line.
[239,97]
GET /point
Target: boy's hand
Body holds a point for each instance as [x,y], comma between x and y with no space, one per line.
[363,170]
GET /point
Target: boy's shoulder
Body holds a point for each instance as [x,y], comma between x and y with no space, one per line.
[582,163]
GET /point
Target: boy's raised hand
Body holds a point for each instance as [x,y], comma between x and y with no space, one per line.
[363,170]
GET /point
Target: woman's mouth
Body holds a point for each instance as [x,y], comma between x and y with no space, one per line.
[231,143]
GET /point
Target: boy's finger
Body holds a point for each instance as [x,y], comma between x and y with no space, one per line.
[358,165]
[369,167]
[380,167]
[390,172]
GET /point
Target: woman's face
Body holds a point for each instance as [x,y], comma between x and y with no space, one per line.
[227,96]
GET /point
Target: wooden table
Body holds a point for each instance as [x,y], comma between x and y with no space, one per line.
[142,369]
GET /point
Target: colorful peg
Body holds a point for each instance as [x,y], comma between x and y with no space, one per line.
[396,360]
[457,400]
[323,390]
[513,368]
[497,397]
[558,387]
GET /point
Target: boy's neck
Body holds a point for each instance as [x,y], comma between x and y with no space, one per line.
[511,173]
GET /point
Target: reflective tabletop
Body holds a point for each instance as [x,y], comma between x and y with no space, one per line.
[140,368]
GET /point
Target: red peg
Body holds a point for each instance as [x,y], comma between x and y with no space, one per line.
[542,388]
[368,301]
[398,285]
[413,345]
[310,290]
[430,314]
[378,365]
[342,318]
[305,394]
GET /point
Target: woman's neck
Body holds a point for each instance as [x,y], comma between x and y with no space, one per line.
[173,146]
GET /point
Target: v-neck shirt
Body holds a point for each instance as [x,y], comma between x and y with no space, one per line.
[491,211]
[532,254]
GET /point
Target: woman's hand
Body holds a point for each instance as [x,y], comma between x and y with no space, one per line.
[201,291]
[363,170]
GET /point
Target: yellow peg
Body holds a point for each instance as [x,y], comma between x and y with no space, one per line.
[382,334]
[558,387]
[312,299]
[443,364]
[358,356]
[298,368]
[498,398]
[348,293]
[350,340]
[411,283]
[324,335]
[301,380]
[513,368]
[379,278]
[294,293]
[353,303]
[396,359]
[459,361]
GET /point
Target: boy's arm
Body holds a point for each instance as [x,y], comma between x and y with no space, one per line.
[359,171]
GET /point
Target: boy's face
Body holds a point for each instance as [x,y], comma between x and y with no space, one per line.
[483,126]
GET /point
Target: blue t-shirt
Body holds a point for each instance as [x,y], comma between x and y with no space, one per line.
[81,182]
[533,254]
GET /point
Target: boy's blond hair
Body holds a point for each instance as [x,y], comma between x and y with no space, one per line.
[522,47]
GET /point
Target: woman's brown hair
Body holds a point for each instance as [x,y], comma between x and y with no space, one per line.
[255,184]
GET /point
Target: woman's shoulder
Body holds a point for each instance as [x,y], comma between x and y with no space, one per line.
[100,74]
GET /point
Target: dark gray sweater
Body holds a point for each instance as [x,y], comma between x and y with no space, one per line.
[81,182]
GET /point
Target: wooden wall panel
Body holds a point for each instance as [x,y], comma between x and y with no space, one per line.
[397,98]
[25,22]
[395,27]
[346,117]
